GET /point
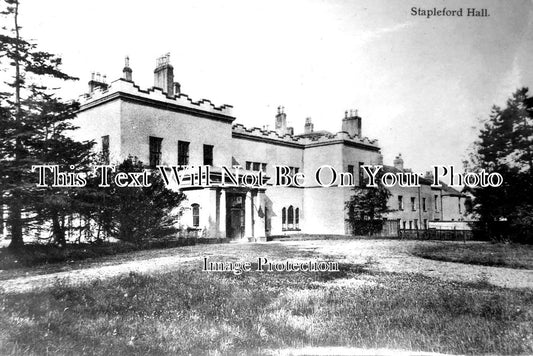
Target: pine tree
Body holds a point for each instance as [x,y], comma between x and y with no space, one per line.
[26,111]
[505,146]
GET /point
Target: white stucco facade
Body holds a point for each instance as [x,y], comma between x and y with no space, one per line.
[131,119]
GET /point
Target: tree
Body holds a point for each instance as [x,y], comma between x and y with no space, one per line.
[367,207]
[135,214]
[50,119]
[505,146]
[23,107]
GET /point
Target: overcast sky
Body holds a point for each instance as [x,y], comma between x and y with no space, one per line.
[419,84]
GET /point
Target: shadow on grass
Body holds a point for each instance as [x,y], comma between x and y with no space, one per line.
[486,254]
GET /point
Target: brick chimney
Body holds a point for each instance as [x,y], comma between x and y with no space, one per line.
[126,72]
[351,123]
[281,121]
[164,75]
[97,82]
[398,162]
[308,127]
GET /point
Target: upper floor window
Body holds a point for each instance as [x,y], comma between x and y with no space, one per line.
[413,204]
[351,169]
[183,153]
[459,205]
[155,151]
[361,174]
[436,203]
[424,204]
[400,202]
[256,166]
[208,155]
[105,149]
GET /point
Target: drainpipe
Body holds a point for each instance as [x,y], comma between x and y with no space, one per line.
[419,208]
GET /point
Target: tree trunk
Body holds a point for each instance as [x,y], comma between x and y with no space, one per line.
[15,211]
[58,230]
[15,223]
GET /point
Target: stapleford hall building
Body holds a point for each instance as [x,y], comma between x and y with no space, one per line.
[163,126]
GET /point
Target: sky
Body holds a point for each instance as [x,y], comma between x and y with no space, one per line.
[421,85]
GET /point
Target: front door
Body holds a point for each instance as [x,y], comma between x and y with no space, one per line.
[235,216]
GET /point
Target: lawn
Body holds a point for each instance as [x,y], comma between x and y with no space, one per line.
[487,254]
[189,311]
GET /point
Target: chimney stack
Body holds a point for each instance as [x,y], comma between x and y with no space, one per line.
[177,88]
[398,162]
[281,121]
[352,123]
[308,127]
[126,72]
[164,75]
[97,82]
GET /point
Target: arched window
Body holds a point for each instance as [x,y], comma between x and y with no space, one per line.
[284,219]
[290,217]
[195,215]
[297,218]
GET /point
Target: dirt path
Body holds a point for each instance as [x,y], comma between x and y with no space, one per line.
[385,255]
[394,256]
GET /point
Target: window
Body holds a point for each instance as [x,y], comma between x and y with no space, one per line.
[410,225]
[195,215]
[361,175]
[400,202]
[351,169]
[105,149]
[290,217]
[404,223]
[436,203]
[413,205]
[183,153]
[256,166]
[424,204]
[155,151]
[208,155]
[459,204]
[425,224]
[416,224]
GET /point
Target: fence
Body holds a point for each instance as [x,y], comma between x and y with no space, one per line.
[434,234]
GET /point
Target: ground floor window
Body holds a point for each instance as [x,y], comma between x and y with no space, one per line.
[195,215]
[290,218]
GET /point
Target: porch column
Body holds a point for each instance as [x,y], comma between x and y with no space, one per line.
[259,216]
[212,210]
[248,218]
[222,213]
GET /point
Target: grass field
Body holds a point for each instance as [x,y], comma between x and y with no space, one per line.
[486,254]
[193,312]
